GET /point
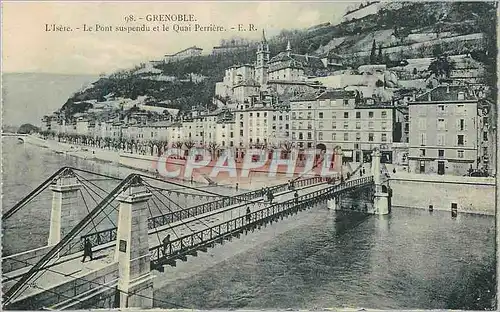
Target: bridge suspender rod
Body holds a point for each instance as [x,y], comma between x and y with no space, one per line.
[97,174]
[182,185]
[30,196]
[9,295]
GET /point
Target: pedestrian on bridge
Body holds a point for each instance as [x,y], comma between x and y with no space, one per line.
[296,196]
[248,217]
[270,196]
[166,242]
[87,250]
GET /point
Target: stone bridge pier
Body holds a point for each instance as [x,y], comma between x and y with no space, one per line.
[135,281]
[372,199]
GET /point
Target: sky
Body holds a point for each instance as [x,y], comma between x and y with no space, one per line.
[28,47]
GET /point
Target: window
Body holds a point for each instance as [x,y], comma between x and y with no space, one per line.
[440,139]
[251,114]
[294,115]
[258,114]
[370,125]
[293,135]
[461,124]
[265,114]
[370,114]
[320,115]
[309,115]
[440,153]
[460,154]
[231,134]
[440,108]
[358,136]
[346,136]
[346,125]
[334,125]
[334,115]
[441,124]
[384,137]
[301,136]
[241,132]
[358,124]
[274,118]
[309,136]
[384,125]
[346,115]
[485,136]
[334,136]
[383,114]
[358,115]
[370,137]
[346,102]
[460,110]
[241,116]
[423,139]
[460,140]
[422,123]
[422,152]
[320,135]
[320,125]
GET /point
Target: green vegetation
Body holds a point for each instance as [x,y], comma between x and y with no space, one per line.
[27,129]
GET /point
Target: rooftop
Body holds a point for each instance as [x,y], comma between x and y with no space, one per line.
[446,93]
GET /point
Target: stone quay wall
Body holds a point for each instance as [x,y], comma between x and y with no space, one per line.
[470,194]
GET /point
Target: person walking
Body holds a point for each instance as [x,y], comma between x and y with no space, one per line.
[296,196]
[87,250]
[248,216]
[166,242]
[237,186]
[270,196]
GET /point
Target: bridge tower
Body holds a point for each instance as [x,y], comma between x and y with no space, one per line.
[381,198]
[135,284]
[65,214]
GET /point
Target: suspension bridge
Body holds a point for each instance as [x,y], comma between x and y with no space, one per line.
[140,224]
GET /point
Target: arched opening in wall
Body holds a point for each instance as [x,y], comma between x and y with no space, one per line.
[321,147]
[384,189]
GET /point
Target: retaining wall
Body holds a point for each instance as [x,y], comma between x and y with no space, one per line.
[472,195]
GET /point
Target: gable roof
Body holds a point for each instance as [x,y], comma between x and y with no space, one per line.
[445,93]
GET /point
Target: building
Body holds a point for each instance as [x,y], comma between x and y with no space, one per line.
[334,118]
[444,136]
[186,53]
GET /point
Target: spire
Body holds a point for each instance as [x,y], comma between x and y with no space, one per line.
[263,37]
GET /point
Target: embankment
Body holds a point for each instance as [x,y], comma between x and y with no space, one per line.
[470,194]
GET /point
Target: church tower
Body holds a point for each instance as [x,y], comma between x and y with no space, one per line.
[262,59]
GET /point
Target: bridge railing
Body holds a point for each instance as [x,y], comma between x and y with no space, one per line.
[171,250]
[178,215]
[108,235]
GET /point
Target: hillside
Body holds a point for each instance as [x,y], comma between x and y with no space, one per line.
[402,31]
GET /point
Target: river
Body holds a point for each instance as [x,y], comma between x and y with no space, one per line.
[319,258]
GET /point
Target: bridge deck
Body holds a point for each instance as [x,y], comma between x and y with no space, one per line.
[63,270]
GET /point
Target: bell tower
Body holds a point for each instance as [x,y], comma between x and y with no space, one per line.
[262,59]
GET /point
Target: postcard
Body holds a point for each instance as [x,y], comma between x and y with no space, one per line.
[249,155]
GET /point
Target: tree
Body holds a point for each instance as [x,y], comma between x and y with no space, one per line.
[372,54]
[380,58]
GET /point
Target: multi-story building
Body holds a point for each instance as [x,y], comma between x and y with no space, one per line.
[444,127]
[334,118]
